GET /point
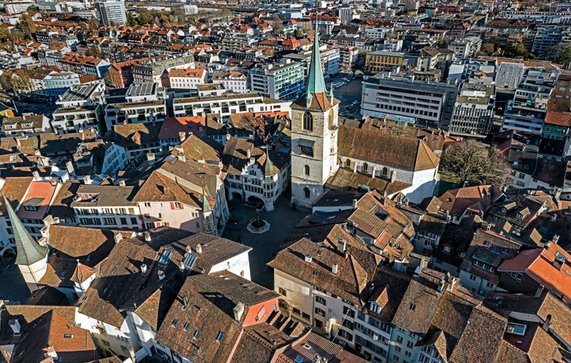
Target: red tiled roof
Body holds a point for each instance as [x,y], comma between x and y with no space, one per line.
[558,118]
[173,125]
[541,264]
[40,193]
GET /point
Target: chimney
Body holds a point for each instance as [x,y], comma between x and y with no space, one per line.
[144,268]
[182,136]
[248,154]
[161,274]
[150,157]
[180,154]
[36,175]
[122,183]
[198,248]
[335,268]
[118,237]
[555,238]
[423,262]
[553,217]
[308,258]
[15,326]
[69,167]
[343,245]
[238,311]
[355,203]
[87,179]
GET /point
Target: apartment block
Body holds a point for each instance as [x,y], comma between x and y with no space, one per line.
[473,110]
[283,81]
[227,105]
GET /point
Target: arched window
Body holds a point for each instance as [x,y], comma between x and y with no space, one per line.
[306,192]
[365,167]
[348,163]
[307,121]
[306,170]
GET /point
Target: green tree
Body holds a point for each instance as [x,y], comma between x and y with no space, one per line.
[6,39]
[277,25]
[564,57]
[26,26]
[226,13]
[471,162]
[298,34]
[145,17]
[132,20]
[518,50]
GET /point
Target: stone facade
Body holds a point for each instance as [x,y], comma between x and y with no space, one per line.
[314,152]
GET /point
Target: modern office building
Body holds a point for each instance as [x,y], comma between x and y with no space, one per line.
[546,37]
[112,12]
[419,102]
[474,110]
[330,60]
[383,61]
[282,81]
[526,111]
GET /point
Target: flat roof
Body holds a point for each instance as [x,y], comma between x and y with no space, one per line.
[216,98]
[79,92]
[143,89]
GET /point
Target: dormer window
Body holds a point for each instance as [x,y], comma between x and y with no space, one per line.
[375,308]
[519,216]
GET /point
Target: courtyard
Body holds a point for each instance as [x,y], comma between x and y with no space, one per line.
[266,245]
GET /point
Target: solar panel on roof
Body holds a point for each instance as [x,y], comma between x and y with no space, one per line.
[164,259]
[189,261]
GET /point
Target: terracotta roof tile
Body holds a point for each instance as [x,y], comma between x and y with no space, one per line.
[392,151]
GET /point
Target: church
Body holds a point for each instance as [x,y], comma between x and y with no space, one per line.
[325,155]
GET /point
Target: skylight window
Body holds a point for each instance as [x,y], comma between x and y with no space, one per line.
[516,329]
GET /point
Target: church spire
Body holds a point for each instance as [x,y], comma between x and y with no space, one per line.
[268,166]
[205,204]
[28,251]
[315,80]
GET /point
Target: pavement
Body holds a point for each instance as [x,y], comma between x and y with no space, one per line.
[264,246]
[12,285]
[350,97]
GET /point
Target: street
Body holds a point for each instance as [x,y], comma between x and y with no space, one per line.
[350,97]
[13,287]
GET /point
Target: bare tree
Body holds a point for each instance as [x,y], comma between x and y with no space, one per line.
[471,162]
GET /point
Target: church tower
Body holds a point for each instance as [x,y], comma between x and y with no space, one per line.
[313,135]
[31,257]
